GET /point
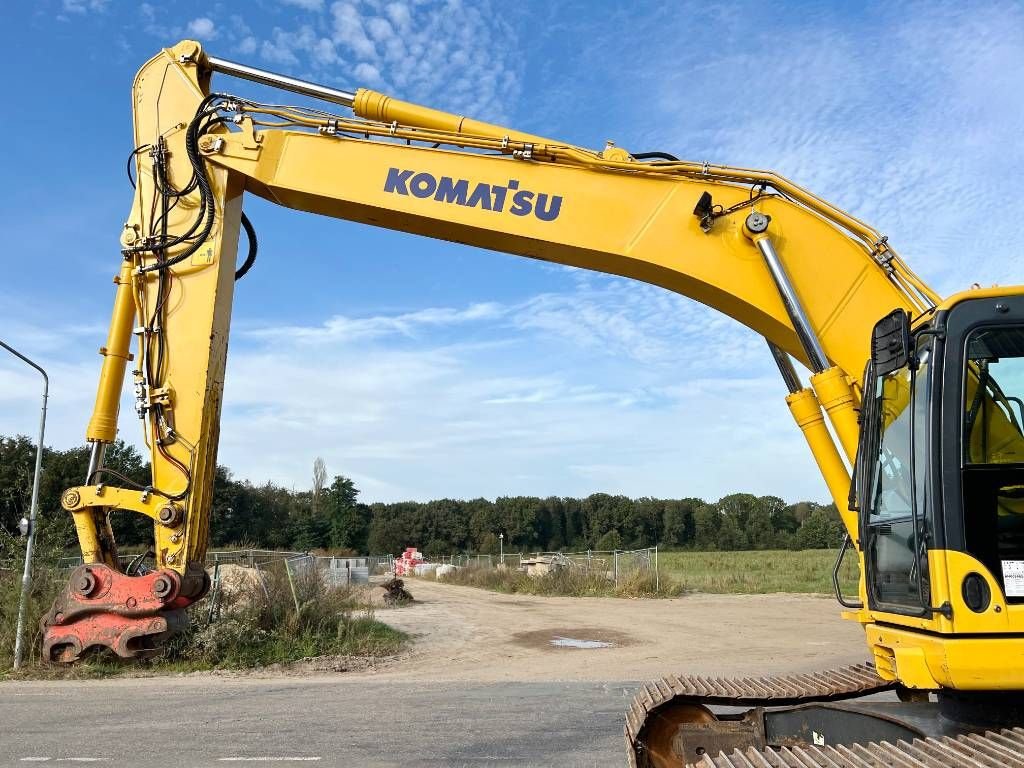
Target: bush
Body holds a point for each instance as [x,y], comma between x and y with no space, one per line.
[270,620]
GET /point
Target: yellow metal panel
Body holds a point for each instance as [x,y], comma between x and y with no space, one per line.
[632,224]
[966,663]
[1000,617]
[993,292]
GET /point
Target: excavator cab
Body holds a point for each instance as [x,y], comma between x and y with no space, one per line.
[940,488]
[942,454]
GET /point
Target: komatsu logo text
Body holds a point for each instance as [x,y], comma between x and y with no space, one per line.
[489,197]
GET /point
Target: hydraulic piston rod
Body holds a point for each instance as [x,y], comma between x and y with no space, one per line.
[785,364]
[756,226]
[831,385]
[262,76]
[372,105]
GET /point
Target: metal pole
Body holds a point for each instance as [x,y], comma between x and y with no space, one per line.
[291,583]
[26,577]
[657,576]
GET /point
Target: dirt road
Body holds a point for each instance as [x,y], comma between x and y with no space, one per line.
[468,634]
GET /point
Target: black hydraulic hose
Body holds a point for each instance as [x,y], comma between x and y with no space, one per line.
[250,257]
[655,156]
[206,205]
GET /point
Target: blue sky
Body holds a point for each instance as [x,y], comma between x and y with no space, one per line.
[425,369]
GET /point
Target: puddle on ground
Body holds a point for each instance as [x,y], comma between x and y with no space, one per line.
[572,638]
[572,642]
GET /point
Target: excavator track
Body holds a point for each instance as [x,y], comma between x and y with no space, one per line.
[660,704]
[994,749]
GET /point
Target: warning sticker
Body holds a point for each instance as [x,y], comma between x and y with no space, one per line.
[1013,578]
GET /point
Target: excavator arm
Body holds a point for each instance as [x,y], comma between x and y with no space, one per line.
[809,278]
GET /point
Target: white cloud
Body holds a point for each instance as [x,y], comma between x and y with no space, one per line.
[399,15]
[349,31]
[285,47]
[164,22]
[308,5]
[151,23]
[59,349]
[450,54]
[379,29]
[323,52]
[550,388]
[408,324]
[202,28]
[84,6]
[442,421]
[367,75]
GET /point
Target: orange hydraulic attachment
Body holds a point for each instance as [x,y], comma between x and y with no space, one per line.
[131,615]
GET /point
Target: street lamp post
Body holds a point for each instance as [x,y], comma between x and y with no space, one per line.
[26,577]
[501,547]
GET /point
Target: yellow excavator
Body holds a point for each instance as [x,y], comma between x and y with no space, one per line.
[913,413]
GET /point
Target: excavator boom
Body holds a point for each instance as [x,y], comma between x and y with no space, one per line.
[820,286]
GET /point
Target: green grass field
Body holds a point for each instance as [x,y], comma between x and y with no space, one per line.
[758,572]
[744,573]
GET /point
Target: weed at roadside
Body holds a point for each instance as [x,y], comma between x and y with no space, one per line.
[263,620]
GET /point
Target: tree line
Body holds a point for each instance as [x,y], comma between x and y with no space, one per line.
[329,515]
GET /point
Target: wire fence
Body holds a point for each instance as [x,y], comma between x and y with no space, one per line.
[331,572]
[299,568]
[617,564]
[254,558]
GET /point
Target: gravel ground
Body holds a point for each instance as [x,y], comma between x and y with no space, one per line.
[464,633]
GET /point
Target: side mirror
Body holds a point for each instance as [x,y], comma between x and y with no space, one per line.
[890,343]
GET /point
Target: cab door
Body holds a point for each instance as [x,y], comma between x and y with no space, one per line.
[895,481]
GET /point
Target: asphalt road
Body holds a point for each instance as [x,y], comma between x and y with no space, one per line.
[194,722]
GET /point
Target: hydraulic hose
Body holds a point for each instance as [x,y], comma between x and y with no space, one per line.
[655,156]
[250,257]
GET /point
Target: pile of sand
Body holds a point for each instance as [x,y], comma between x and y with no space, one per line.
[237,581]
